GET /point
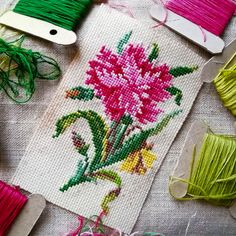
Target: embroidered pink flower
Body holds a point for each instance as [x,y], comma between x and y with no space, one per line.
[129,83]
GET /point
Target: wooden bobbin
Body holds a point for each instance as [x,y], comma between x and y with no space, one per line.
[194,139]
[188,29]
[28,217]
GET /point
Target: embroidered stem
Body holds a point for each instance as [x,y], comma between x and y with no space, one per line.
[112,195]
[120,136]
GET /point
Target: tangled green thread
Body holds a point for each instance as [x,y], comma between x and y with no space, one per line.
[20,67]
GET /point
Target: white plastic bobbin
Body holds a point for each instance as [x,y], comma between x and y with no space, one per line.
[212,68]
[38,28]
[188,29]
[193,140]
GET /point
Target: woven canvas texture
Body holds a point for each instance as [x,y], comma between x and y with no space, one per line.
[120,187]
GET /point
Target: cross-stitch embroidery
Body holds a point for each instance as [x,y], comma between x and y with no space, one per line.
[130,84]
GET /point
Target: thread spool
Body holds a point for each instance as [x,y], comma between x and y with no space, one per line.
[11,203]
[52,20]
[206,168]
[18,212]
[225,84]
[200,21]
[221,70]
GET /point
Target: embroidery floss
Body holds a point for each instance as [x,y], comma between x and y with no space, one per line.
[48,19]
[11,203]
[212,174]
[87,228]
[212,15]
[225,84]
[200,21]
[63,13]
[20,67]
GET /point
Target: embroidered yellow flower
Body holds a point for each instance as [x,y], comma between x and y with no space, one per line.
[139,161]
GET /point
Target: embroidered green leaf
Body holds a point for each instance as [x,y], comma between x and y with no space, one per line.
[79,177]
[182,70]
[97,126]
[160,126]
[65,122]
[135,142]
[132,144]
[123,41]
[154,53]
[80,93]
[177,93]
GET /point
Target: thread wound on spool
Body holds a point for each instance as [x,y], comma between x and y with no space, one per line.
[225,84]
[11,203]
[63,13]
[212,15]
[212,175]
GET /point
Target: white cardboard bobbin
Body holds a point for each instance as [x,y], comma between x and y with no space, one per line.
[38,28]
[193,140]
[188,29]
[212,68]
[28,216]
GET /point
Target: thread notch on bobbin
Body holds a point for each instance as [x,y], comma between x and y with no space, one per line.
[202,22]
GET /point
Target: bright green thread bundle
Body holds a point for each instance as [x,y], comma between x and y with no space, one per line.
[20,67]
[63,13]
[225,84]
[213,172]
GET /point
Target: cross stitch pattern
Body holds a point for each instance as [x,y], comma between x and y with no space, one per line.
[128,92]
[130,85]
